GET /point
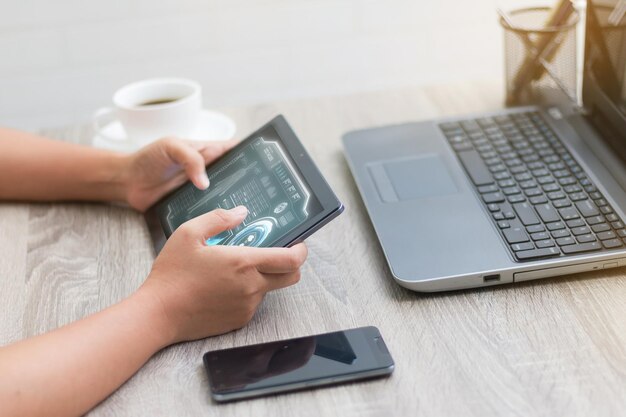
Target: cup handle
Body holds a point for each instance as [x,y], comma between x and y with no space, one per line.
[101,118]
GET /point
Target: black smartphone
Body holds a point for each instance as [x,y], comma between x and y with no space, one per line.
[271,174]
[294,364]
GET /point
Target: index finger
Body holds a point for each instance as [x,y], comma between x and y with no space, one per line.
[190,159]
[277,260]
[210,151]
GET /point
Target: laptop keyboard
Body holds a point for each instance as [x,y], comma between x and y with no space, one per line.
[539,197]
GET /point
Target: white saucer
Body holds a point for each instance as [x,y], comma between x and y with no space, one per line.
[212,126]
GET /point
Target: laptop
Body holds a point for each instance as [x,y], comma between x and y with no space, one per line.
[516,195]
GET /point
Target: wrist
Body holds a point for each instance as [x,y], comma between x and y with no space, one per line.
[107,176]
[119,177]
[158,323]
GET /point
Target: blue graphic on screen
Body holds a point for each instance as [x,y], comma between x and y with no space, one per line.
[260,176]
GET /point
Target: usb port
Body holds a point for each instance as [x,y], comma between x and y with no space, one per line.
[491,278]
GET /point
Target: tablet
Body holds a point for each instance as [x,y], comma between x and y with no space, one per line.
[271,174]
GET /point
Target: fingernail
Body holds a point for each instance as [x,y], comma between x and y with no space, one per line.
[204,181]
[240,211]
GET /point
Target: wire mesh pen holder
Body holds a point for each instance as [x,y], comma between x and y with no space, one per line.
[538,58]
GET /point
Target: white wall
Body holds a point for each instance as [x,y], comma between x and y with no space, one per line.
[61,59]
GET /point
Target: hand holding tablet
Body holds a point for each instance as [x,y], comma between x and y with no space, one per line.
[271,174]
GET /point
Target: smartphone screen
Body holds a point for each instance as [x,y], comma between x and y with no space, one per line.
[293,364]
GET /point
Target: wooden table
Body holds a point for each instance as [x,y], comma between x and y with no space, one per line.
[552,348]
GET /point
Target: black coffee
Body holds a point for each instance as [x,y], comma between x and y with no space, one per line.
[158,101]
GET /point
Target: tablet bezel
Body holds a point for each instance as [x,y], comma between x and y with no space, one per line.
[331,206]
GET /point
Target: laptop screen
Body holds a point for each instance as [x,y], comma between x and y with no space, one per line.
[604,79]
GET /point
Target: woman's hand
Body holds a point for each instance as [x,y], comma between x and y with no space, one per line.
[155,170]
[208,290]
[193,291]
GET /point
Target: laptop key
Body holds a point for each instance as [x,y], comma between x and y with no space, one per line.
[547,213]
[540,236]
[602,227]
[535,228]
[528,184]
[555,195]
[497,168]
[526,214]
[545,180]
[587,208]
[606,235]
[555,226]
[582,247]
[575,223]
[612,217]
[586,238]
[561,203]
[544,243]
[522,246]
[569,213]
[612,243]
[565,241]
[550,187]
[578,196]
[487,189]
[560,233]
[493,198]
[537,253]
[475,167]
[515,235]
[502,175]
[580,230]
[511,190]
[572,188]
[517,198]
[595,220]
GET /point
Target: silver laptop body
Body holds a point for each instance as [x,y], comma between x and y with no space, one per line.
[436,230]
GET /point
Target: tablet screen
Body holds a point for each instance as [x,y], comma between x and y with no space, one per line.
[261,176]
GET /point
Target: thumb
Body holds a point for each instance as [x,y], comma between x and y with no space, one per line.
[216,222]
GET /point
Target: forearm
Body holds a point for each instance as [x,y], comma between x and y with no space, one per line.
[70,370]
[36,168]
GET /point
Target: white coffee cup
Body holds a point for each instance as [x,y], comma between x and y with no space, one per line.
[153,108]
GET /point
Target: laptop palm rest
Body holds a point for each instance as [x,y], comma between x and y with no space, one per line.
[412,178]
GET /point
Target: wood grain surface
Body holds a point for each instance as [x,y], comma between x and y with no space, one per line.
[553,347]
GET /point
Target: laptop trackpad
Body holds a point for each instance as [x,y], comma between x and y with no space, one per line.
[411,178]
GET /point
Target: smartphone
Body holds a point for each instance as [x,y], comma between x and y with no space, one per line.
[271,174]
[295,364]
